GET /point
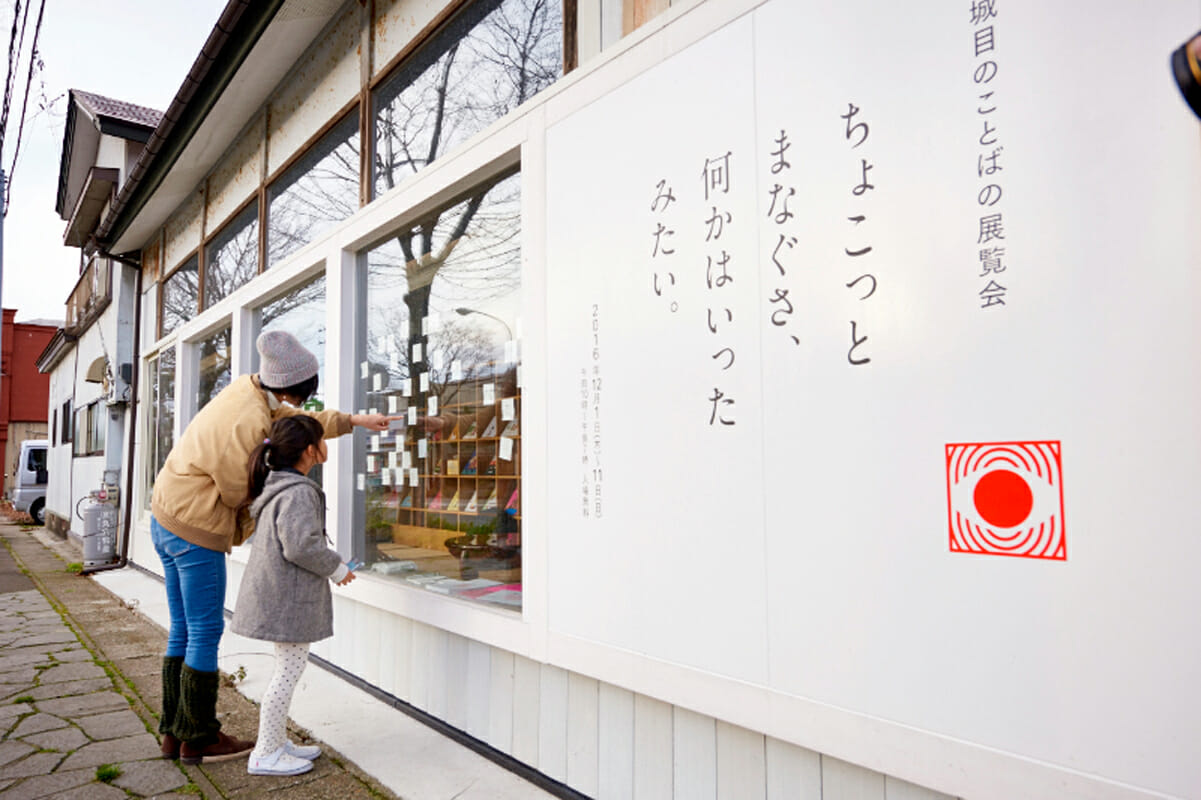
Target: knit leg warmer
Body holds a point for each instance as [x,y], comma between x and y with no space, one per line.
[172,665]
[196,718]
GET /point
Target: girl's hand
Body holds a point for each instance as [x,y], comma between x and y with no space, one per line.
[349,577]
[372,422]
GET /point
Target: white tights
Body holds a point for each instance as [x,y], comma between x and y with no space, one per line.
[290,658]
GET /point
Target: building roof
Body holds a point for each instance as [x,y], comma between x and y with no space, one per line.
[101,106]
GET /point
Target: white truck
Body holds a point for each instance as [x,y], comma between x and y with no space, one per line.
[28,489]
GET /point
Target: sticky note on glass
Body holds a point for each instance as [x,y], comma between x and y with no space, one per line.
[361,481]
[489,394]
[392,460]
[393,361]
[375,442]
[423,448]
[517,327]
[417,353]
[412,415]
[373,411]
[425,381]
[506,448]
[393,404]
[510,351]
[456,370]
[413,477]
[436,360]
[508,409]
[363,370]
[432,407]
[425,326]
[377,382]
[370,464]
[406,460]
[386,477]
[408,387]
[519,383]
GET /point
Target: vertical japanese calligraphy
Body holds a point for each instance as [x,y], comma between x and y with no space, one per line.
[857,132]
[990,235]
[715,176]
[780,307]
[591,382]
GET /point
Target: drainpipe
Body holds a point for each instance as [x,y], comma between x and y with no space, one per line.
[127,493]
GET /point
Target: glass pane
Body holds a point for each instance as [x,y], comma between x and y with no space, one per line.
[162,421]
[488,60]
[214,373]
[302,314]
[232,257]
[320,189]
[181,295]
[99,423]
[440,493]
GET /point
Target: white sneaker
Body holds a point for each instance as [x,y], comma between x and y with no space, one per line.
[305,751]
[278,763]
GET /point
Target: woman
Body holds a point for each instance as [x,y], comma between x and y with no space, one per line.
[195,522]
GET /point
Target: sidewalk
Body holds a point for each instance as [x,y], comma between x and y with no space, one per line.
[80,686]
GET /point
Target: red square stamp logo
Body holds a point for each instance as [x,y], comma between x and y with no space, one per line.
[1006,499]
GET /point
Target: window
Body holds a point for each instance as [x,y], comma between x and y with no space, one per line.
[181,296]
[232,257]
[37,460]
[301,312]
[90,424]
[161,374]
[320,189]
[66,422]
[441,493]
[54,427]
[485,62]
[214,372]
[91,295]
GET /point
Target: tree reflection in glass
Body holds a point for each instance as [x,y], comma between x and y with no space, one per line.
[442,304]
[232,257]
[161,377]
[319,190]
[181,295]
[214,373]
[488,60]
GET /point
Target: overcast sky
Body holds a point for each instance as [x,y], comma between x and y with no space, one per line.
[133,50]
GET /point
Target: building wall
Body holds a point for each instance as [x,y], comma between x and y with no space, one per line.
[23,390]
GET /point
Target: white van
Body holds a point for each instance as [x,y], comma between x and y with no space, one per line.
[28,489]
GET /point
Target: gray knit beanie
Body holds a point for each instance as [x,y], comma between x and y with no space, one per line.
[283,360]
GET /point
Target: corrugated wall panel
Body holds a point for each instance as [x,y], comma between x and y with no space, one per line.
[793,773]
[583,730]
[385,655]
[455,678]
[615,743]
[478,687]
[741,763]
[897,789]
[653,748]
[552,722]
[437,659]
[420,666]
[402,662]
[843,781]
[526,712]
[500,701]
[694,756]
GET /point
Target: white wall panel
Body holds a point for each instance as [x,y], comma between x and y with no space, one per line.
[897,789]
[384,653]
[500,700]
[437,659]
[477,687]
[421,666]
[654,749]
[183,231]
[397,23]
[793,773]
[527,712]
[615,743]
[741,763]
[694,756]
[454,672]
[237,176]
[552,722]
[843,781]
[583,730]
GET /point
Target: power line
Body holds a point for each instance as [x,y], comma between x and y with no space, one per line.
[34,61]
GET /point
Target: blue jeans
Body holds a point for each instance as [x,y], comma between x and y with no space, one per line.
[195,578]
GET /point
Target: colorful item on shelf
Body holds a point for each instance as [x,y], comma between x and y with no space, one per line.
[452,466]
[472,506]
[491,468]
[490,431]
[490,503]
[472,465]
[407,502]
[455,433]
[470,434]
[436,501]
[453,505]
[512,504]
[511,429]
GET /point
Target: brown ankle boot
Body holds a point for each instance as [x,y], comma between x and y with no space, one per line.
[222,748]
[170,747]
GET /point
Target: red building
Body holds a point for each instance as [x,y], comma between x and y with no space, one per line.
[24,392]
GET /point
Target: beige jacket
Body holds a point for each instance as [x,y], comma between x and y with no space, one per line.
[199,488]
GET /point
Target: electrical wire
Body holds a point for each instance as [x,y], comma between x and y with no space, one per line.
[33,62]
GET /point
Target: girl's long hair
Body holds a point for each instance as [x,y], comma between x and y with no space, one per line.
[286,442]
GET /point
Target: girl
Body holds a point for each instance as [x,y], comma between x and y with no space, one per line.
[284,597]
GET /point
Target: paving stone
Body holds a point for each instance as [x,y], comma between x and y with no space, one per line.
[51,785]
[14,710]
[11,680]
[68,688]
[36,723]
[22,657]
[148,778]
[112,725]
[36,764]
[130,748]
[63,740]
[60,636]
[72,654]
[72,672]
[93,791]
[12,750]
[85,704]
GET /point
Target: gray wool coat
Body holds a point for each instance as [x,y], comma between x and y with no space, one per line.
[285,596]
